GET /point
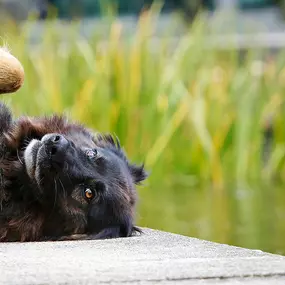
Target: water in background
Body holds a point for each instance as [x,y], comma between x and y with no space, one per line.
[247,218]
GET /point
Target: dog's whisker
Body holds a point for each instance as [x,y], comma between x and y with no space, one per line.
[25,143]
[19,157]
[69,177]
[55,196]
[63,189]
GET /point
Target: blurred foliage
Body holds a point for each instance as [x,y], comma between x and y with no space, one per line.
[281,4]
[196,116]
[91,8]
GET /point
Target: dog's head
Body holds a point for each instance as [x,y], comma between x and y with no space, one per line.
[84,183]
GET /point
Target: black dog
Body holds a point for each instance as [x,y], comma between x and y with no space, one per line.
[58,181]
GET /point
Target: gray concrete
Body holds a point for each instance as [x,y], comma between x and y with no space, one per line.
[154,257]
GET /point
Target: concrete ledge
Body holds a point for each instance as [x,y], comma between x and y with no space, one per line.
[151,258]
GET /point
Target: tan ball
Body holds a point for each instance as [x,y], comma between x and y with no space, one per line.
[11,72]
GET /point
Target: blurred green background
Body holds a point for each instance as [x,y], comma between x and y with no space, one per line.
[207,122]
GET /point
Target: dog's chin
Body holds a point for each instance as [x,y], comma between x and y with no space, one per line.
[30,158]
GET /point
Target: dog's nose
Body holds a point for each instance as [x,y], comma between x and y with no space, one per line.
[56,146]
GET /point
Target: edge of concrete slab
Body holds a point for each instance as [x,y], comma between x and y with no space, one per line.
[155,256]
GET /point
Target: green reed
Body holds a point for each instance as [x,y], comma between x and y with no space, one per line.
[193,114]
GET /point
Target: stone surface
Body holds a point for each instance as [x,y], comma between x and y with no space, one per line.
[154,257]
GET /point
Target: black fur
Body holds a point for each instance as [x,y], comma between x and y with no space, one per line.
[49,167]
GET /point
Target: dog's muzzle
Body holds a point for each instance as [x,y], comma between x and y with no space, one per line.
[55,146]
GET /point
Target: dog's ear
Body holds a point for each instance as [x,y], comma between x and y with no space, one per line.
[138,173]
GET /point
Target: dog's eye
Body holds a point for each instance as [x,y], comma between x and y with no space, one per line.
[89,194]
[91,153]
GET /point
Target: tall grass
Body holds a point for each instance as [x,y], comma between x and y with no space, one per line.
[189,111]
[194,114]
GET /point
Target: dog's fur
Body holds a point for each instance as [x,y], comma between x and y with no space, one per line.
[48,166]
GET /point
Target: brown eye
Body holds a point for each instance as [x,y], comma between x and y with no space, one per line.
[89,194]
